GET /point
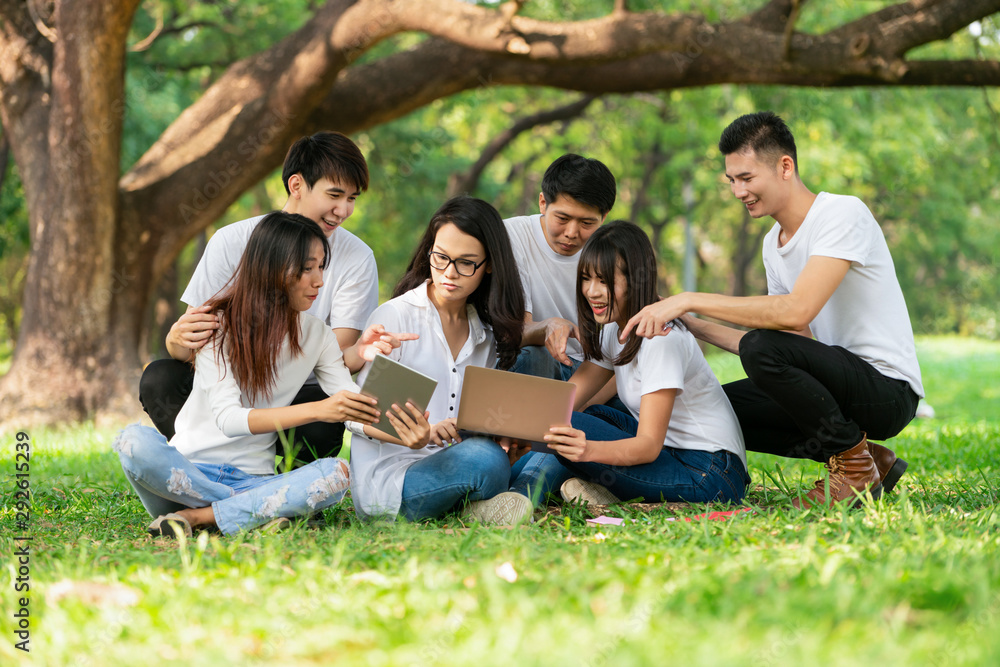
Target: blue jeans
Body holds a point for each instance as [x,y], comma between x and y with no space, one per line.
[166,481]
[475,469]
[677,475]
[535,360]
[537,474]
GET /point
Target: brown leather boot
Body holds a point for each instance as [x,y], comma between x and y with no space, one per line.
[850,471]
[890,468]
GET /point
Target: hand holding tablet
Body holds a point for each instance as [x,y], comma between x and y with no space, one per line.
[390,382]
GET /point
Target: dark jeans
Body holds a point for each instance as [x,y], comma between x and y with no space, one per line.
[677,475]
[804,399]
[166,384]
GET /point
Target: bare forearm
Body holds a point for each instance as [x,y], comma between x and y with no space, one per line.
[269,420]
[719,335]
[352,359]
[533,333]
[178,351]
[628,452]
[779,311]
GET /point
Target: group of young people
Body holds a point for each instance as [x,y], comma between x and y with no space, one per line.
[282,310]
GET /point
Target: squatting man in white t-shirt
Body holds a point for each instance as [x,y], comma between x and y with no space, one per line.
[830,357]
[577,194]
[324,174]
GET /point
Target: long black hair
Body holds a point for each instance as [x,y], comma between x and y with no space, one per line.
[255,312]
[623,246]
[499,299]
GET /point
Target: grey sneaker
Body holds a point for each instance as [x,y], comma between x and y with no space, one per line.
[504,509]
[589,492]
[170,525]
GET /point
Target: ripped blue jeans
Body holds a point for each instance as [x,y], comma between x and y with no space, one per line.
[166,481]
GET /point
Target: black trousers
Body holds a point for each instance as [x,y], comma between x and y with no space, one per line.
[804,399]
[166,384]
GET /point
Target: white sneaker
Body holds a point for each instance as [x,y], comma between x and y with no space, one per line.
[504,509]
[590,493]
[170,525]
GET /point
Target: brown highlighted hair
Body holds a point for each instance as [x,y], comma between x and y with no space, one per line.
[254,310]
[619,245]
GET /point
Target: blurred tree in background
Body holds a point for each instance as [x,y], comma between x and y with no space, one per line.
[129,165]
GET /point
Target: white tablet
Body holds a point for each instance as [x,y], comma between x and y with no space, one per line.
[391,382]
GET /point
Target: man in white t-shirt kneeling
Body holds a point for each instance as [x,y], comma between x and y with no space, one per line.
[577,194]
[323,175]
[830,358]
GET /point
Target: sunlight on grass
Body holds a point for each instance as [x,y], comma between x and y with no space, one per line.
[913,579]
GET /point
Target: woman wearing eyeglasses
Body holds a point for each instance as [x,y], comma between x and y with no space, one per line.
[462,295]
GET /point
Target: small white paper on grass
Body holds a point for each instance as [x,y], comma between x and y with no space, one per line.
[507,572]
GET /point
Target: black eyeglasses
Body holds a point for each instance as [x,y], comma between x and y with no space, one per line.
[465,267]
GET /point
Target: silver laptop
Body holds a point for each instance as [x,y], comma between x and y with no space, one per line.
[518,406]
[391,382]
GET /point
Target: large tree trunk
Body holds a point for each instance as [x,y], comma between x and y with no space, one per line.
[100,244]
[75,349]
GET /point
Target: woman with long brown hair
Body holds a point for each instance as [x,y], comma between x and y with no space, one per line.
[218,469]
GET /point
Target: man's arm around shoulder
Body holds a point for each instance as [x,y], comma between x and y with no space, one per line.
[190,333]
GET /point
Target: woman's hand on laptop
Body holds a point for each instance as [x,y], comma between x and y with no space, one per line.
[568,442]
[411,425]
[445,432]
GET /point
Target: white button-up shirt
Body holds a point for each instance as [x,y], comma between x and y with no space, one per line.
[378,468]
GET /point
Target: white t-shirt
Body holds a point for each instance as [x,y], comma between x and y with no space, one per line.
[378,468]
[213,424]
[350,280]
[548,278]
[702,418]
[867,313]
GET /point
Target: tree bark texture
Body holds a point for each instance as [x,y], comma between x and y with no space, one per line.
[101,240]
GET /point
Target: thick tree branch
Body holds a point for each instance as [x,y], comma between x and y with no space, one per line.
[773,15]
[895,30]
[467,181]
[950,73]
[618,34]
[789,30]
[215,150]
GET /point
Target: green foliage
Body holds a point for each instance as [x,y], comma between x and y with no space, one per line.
[922,159]
[914,579]
[14,248]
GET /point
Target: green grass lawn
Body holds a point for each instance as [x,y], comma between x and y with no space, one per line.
[911,580]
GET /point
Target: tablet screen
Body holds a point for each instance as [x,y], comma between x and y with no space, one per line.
[391,382]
